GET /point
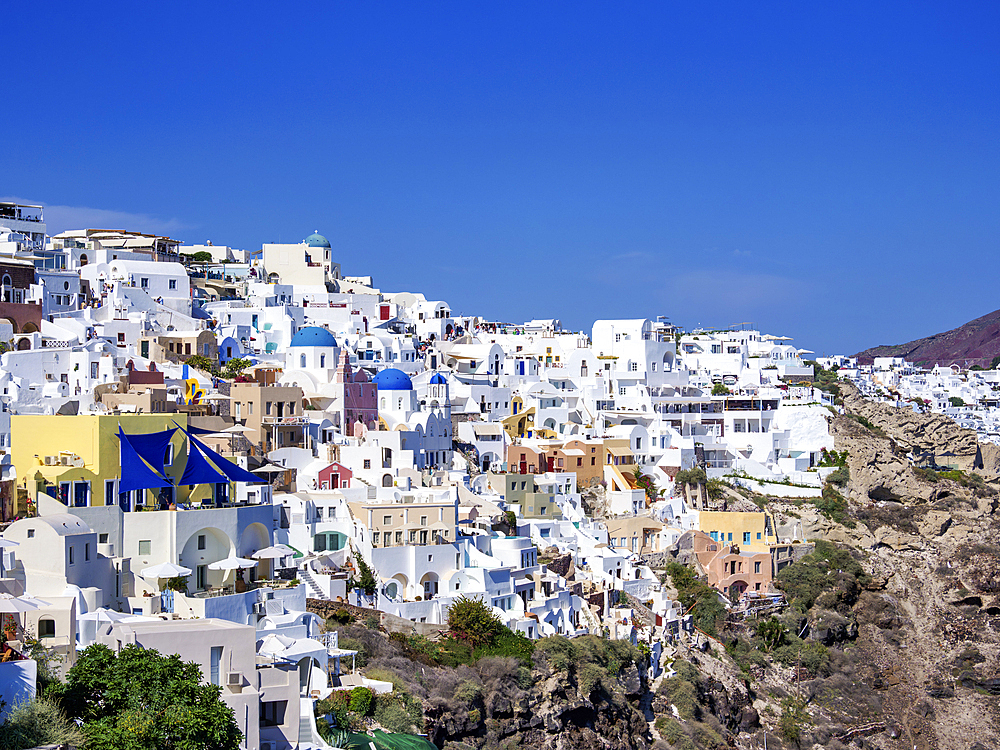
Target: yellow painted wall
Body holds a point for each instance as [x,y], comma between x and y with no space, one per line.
[736,523]
[93,439]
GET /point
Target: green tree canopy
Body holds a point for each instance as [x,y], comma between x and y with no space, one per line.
[139,699]
[472,621]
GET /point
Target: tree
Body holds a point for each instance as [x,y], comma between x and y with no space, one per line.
[235,366]
[473,622]
[366,578]
[771,633]
[37,722]
[644,482]
[720,390]
[199,362]
[956,401]
[139,699]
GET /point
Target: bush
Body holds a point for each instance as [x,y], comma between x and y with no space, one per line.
[691,476]
[827,568]
[706,609]
[834,506]
[840,476]
[683,695]
[793,716]
[38,722]
[341,616]
[472,622]
[669,729]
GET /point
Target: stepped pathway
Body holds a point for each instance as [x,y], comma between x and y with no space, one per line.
[315,592]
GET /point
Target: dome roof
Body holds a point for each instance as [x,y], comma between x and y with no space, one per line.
[438,379]
[317,240]
[313,336]
[393,380]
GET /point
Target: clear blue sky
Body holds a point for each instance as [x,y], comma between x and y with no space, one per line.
[828,171]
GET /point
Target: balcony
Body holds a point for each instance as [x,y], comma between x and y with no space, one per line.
[285,421]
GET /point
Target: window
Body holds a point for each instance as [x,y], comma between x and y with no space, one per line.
[201,541]
[621,390]
[31,533]
[146,546]
[86,552]
[368,463]
[46,628]
[267,408]
[102,538]
[144,283]
[758,536]
[72,561]
[272,713]
[172,284]
[730,536]
[214,666]
[423,520]
[756,568]
[746,537]
[386,520]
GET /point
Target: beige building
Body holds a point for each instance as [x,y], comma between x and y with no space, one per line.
[177,346]
[639,534]
[274,414]
[432,519]
[307,263]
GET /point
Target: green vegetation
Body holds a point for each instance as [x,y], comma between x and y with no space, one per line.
[716,488]
[839,477]
[720,390]
[645,482]
[972,481]
[511,519]
[833,458]
[825,380]
[199,362]
[472,622]
[793,717]
[700,599]
[139,699]
[956,401]
[829,571]
[366,578]
[867,425]
[691,476]
[834,506]
[595,661]
[234,367]
[38,722]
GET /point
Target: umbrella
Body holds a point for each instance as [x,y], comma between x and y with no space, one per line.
[12,604]
[7,543]
[268,469]
[237,429]
[272,645]
[165,570]
[232,563]
[106,615]
[273,553]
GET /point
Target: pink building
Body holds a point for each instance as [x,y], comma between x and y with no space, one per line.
[335,477]
[357,397]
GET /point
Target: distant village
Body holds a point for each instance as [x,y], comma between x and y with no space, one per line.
[206,450]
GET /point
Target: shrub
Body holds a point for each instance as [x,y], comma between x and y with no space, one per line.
[701,598]
[341,616]
[691,476]
[826,568]
[669,729]
[38,722]
[473,622]
[834,506]
[361,701]
[793,716]
[840,476]
[720,390]
[469,691]
[683,696]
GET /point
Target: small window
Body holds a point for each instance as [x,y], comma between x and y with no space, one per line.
[746,537]
[144,283]
[145,546]
[86,552]
[201,541]
[172,284]
[368,463]
[46,628]
[386,520]
[71,555]
[31,533]
[102,538]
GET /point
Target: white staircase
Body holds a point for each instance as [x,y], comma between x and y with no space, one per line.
[313,591]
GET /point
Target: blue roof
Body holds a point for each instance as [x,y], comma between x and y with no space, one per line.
[393,380]
[313,336]
[438,379]
[317,240]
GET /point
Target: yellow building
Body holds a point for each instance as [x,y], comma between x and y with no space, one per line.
[751,532]
[76,460]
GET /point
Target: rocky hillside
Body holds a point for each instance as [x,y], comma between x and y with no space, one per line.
[975,343]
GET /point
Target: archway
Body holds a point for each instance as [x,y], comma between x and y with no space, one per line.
[23,344]
[430,582]
[402,585]
[29,327]
[256,537]
[204,547]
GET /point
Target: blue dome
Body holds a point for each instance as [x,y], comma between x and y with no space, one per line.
[393,380]
[317,240]
[438,379]
[313,336]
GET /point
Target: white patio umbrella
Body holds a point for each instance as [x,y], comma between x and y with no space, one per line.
[105,615]
[232,563]
[165,570]
[10,604]
[274,552]
[274,645]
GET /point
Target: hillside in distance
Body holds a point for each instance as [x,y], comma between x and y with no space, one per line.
[975,343]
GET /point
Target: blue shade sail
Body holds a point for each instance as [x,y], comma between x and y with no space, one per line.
[152,446]
[192,430]
[198,470]
[136,474]
[231,470]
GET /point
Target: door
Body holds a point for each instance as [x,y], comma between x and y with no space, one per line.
[201,577]
[81,494]
[214,668]
[144,349]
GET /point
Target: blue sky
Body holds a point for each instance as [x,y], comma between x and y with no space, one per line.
[829,172]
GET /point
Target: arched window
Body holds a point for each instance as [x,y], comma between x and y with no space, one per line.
[46,627]
[302,360]
[387,480]
[7,287]
[383,402]
[322,360]
[83,260]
